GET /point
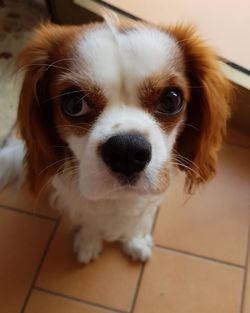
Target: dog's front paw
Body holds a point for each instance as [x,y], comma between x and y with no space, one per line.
[87,245]
[139,248]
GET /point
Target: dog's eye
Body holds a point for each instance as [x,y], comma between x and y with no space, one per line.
[171,102]
[74,104]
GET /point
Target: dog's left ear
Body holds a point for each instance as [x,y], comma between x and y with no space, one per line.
[35,112]
[207,111]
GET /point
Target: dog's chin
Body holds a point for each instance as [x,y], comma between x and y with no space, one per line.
[112,193]
[120,190]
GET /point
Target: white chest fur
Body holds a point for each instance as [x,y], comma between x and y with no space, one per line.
[114,219]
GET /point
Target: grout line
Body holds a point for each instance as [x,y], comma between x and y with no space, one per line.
[137,288]
[200,257]
[61,295]
[246,276]
[5,207]
[39,266]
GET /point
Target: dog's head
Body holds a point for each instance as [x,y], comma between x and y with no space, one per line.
[120,105]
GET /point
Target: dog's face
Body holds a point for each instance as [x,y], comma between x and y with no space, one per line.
[130,93]
[120,106]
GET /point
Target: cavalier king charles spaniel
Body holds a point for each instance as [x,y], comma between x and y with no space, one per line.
[107,112]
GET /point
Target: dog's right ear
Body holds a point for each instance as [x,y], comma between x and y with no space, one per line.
[208,109]
[35,112]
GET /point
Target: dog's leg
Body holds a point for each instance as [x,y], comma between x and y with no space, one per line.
[87,244]
[139,247]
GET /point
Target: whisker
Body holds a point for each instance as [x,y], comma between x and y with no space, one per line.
[59,171]
[54,163]
[181,157]
[84,96]
[63,94]
[57,61]
[192,126]
[48,66]
[188,168]
[174,123]
[45,64]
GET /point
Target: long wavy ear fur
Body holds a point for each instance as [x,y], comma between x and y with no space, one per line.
[35,114]
[208,109]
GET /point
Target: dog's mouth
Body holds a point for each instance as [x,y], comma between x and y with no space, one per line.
[125,187]
[128,181]
[131,185]
[126,191]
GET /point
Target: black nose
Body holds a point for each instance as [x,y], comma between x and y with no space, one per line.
[126,154]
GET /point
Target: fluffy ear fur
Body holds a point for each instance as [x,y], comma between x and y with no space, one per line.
[35,113]
[207,110]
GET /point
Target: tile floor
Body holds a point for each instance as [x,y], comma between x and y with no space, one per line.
[200,264]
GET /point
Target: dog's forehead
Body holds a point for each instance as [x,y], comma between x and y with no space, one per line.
[109,56]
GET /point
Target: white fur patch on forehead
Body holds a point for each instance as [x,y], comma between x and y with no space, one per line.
[146,51]
[114,58]
[98,55]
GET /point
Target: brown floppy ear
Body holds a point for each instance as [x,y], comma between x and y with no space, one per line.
[207,110]
[35,114]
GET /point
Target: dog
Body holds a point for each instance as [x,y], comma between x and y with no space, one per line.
[107,113]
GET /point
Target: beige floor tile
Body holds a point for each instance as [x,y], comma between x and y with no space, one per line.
[247,290]
[23,239]
[109,281]
[23,200]
[41,302]
[213,222]
[177,283]
[247,296]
